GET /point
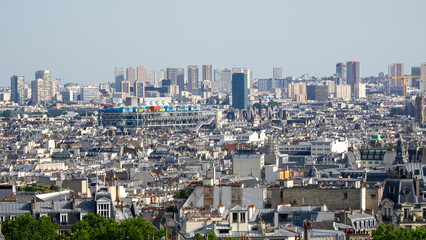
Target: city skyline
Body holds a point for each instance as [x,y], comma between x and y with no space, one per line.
[279,35]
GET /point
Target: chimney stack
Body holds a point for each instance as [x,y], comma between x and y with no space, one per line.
[33,204]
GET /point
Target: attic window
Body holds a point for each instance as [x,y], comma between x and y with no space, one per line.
[64,218]
[234,217]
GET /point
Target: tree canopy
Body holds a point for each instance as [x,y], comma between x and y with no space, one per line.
[208,235]
[27,227]
[184,193]
[388,232]
[91,227]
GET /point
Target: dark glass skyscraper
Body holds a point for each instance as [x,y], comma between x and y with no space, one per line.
[239,91]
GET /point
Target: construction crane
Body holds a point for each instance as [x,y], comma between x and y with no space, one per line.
[403,83]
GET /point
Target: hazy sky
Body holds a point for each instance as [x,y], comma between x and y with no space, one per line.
[83,40]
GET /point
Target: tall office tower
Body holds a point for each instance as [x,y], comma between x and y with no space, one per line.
[140,89]
[415,71]
[37,95]
[277,73]
[119,77]
[159,76]
[422,80]
[141,74]
[125,88]
[353,74]
[239,91]
[149,76]
[317,93]
[43,74]
[180,79]
[193,79]
[297,91]
[217,83]
[341,72]
[248,72]
[395,70]
[176,76]
[359,91]
[17,86]
[206,89]
[207,73]
[226,80]
[419,110]
[131,75]
[343,91]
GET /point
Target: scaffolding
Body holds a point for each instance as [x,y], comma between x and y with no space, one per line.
[172,120]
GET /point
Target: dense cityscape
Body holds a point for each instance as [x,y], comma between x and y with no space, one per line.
[219,151]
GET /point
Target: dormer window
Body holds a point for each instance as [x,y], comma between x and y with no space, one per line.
[243,217]
[64,218]
[104,209]
[234,217]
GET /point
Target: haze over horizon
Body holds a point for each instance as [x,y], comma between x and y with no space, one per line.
[82,41]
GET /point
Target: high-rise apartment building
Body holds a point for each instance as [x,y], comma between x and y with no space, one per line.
[239,91]
[226,80]
[359,91]
[343,91]
[140,89]
[422,81]
[341,72]
[277,73]
[415,71]
[217,86]
[395,70]
[43,89]
[17,86]
[131,75]
[37,93]
[149,76]
[419,110]
[176,76]
[43,74]
[141,74]
[193,80]
[159,76]
[353,76]
[125,89]
[297,91]
[207,73]
[119,77]
[206,89]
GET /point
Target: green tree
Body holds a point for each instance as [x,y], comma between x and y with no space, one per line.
[197,236]
[95,227]
[27,227]
[208,235]
[388,232]
[184,193]
[136,228]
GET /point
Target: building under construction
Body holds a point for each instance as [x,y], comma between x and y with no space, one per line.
[174,118]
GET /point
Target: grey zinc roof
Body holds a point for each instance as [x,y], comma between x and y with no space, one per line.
[15,208]
[238,208]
